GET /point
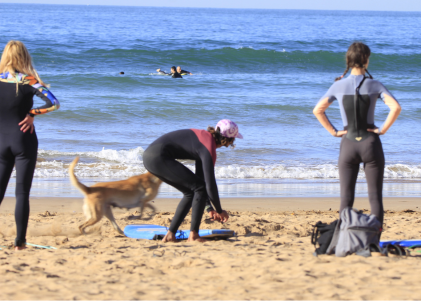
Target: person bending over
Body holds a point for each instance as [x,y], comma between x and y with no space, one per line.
[198,188]
[183,72]
[174,73]
[357,95]
[19,82]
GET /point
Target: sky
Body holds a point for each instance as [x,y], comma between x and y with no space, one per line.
[382,5]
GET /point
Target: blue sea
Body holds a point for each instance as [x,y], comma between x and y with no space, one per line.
[264,69]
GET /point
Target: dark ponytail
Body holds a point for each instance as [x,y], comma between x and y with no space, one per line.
[219,139]
[340,77]
[356,57]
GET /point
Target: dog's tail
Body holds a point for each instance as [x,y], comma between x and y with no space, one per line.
[73,179]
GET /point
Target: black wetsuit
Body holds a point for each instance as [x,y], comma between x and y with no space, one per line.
[16,147]
[160,158]
[176,75]
[184,72]
[357,96]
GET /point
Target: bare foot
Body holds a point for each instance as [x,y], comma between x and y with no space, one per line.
[194,236]
[20,248]
[169,237]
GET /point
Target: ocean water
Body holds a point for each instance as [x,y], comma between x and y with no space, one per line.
[264,69]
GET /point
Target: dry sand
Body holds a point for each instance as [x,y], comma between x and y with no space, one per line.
[271,258]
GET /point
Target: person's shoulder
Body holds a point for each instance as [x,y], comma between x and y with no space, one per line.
[203,135]
[373,81]
[201,132]
[27,79]
[20,78]
[32,81]
[339,83]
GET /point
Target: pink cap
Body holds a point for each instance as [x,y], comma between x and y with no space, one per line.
[228,129]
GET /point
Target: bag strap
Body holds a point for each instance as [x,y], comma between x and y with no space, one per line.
[315,233]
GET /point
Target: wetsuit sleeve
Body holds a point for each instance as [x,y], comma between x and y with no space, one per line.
[391,102]
[199,173]
[209,177]
[51,103]
[330,94]
[383,92]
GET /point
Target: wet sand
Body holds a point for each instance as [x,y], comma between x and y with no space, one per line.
[270,258]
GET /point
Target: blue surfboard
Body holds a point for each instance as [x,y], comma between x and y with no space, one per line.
[402,243]
[152,232]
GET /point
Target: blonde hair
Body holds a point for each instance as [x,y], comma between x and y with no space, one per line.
[16,57]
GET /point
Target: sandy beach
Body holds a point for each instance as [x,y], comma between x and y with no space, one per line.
[270,258]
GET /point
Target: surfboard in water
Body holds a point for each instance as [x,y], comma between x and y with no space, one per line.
[152,232]
[402,243]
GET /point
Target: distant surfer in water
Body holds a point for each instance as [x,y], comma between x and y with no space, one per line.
[174,73]
[183,72]
[162,72]
[199,188]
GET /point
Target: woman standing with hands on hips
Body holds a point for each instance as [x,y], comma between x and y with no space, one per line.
[199,188]
[357,95]
[19,82]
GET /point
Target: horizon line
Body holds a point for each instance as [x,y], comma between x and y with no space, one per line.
[198,7]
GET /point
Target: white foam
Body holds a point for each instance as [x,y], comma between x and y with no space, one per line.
[123,156]
[118,164]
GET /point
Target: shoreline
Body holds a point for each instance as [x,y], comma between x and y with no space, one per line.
[236,188]
[254,204]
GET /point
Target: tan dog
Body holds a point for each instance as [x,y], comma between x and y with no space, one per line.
[134,192]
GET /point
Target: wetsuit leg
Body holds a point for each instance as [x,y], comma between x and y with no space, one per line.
[180,177]
[349,165]
[7,161]
[374,162]
[25,152]
[369,151]
[196,200]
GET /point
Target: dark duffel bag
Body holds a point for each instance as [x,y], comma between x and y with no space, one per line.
[322,236]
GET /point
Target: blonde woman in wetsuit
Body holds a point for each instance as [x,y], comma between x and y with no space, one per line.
[199,188]
[19,82]
[357,95]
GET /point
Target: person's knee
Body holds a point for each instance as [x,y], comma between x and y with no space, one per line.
[200,187]
[23,189]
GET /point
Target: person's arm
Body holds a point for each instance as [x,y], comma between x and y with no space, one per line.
[319,112]
[51,103]
[395,110]
[210,180]
[199,174]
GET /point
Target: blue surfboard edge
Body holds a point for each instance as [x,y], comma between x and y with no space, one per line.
[151,232]
[402,243]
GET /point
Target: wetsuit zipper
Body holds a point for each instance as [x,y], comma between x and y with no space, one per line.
[357,107]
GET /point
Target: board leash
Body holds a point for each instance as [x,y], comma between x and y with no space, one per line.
[39,246]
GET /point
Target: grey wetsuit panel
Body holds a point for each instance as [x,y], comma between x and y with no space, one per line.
[344,92]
